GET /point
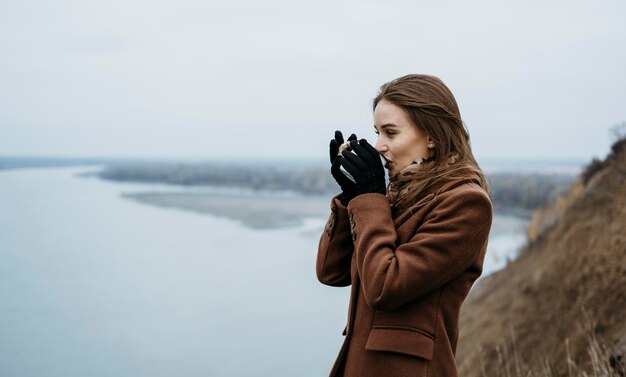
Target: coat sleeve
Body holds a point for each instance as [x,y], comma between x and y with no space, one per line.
[451,237]
[335,249]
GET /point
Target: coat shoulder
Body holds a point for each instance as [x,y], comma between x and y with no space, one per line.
[466,195]
[469,190]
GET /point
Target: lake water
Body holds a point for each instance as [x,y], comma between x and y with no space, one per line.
[94,284]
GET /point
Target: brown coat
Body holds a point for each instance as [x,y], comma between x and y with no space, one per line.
[409,277]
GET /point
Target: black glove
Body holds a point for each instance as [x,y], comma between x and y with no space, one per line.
[365,167]
[348,188]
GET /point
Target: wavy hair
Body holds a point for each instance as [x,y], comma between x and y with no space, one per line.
[432,108]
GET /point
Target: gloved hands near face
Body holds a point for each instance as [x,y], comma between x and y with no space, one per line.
[348,187]
[365,166]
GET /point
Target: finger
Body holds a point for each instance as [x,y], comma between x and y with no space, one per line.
[338,174]
[335,166]
[352,137]
[353,170]
[354,160]
[372,151]
[334,150]
[339,137]
[361,152]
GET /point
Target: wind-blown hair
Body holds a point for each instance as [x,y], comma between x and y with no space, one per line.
[432,108]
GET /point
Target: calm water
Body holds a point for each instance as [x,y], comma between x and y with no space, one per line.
[92,284]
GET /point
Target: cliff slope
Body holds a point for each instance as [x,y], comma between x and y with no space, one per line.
[565,291]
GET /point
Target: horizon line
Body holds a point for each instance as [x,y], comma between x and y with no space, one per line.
[263,158]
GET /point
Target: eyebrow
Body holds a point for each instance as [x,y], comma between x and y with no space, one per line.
[391,125]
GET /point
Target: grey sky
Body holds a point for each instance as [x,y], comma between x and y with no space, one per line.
[191,78]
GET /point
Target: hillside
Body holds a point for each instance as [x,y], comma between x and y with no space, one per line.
[564,298]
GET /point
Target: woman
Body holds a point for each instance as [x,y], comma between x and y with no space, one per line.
[411,251]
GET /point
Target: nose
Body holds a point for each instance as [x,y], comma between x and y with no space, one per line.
[380,146]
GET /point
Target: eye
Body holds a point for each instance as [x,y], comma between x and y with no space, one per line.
[376,132]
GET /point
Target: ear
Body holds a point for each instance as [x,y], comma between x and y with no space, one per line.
[430,142]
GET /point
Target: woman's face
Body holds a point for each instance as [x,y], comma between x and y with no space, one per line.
[399,141]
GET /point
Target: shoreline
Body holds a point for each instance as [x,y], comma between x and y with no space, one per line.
[256,212]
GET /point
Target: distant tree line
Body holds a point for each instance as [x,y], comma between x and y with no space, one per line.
[308,181]
[508,190]
[527,191]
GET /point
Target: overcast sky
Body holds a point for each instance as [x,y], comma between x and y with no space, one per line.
[203,79]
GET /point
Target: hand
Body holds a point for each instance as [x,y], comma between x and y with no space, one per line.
[348,188]
[366,168]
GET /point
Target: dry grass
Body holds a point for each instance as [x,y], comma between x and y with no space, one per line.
[564,296]
[600,361]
